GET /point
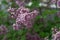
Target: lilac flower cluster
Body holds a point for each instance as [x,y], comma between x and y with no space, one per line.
[57,36]
[55,30]
[53,1]
[58,3]
[20,2]
[35,36]
[23,16]
[3,29]
[58,14]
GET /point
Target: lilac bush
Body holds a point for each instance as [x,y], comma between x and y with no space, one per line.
[23,21]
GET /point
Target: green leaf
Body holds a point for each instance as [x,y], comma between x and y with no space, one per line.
[48,11]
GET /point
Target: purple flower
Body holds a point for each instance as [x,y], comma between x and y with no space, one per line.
[20,2]
[11,9]
[53,1]
[13,12]
[54,30]
[3,29]
[58,3]
[35,36]
[22,10]
[57,36]
[24,16]
[58,14]
[16,26]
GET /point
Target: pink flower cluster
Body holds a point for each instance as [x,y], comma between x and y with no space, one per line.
[35,36]
[54,30]
[58,3]
[53,1]
[20,2]
[3,29]
[58,14]
[57,36]
[23,16]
